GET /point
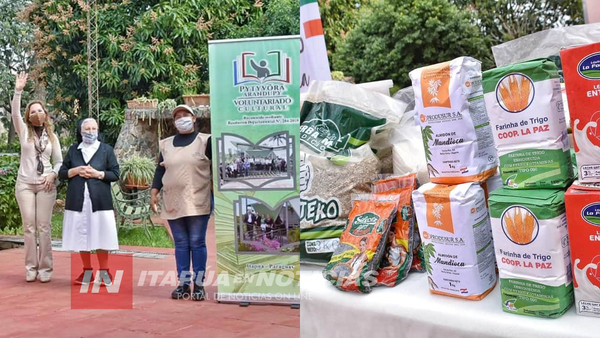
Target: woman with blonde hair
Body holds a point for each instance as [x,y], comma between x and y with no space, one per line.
[35,190]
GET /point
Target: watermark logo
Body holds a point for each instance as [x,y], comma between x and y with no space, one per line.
[110,288]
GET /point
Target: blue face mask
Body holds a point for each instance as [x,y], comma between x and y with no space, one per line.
[185,124]
[89,138]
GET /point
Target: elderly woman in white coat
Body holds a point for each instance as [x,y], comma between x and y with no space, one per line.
[89,222]
[35,189]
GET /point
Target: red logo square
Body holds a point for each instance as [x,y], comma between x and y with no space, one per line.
[95,290]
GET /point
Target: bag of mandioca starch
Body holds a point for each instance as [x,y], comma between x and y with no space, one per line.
[458,141]
[458,248]
[354,262]
[532,251]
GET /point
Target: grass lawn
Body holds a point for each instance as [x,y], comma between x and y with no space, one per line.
[136,236]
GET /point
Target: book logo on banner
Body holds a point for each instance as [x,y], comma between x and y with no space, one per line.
[262,81]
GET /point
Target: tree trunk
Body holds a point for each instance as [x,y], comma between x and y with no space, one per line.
[11,133]
[11,127]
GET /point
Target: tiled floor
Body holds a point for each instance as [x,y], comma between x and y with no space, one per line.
[44,310]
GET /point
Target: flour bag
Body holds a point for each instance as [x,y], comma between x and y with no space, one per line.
[525,107]
[458,141]
[457,241]
[532,251]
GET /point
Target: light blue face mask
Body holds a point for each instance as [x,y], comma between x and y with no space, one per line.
[89,138]
[185,124]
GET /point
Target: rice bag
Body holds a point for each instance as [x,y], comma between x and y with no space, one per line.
[353,265]
[327,184]
[344,140]
[458,248]
[456,133]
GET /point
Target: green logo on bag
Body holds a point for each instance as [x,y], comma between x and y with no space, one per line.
[363,224]
[323,135]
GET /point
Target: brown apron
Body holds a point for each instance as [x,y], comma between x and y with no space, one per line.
[187,182]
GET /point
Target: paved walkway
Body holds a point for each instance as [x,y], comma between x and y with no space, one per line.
[43,310]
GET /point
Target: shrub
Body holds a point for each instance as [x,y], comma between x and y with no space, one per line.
[10,216]
[395,37]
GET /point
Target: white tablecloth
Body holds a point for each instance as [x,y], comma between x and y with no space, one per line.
[409,310]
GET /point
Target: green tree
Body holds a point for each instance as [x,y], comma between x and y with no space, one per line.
[15,55]
[505,20]
[338,17]
[395,37]
[154,48]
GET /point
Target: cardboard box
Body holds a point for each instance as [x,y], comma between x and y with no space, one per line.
[583,223]
[581,70]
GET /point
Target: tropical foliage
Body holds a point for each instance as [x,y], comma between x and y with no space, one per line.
[137,170]
[504,20]
[156,48]
[15,56]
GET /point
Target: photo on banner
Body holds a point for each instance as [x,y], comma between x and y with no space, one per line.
[267,164]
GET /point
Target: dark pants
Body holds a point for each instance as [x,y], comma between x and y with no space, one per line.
[189,235]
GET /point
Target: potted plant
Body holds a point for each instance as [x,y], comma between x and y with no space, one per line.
[166,104]
[196,100]
[142,102]
[137,172]
[190,95]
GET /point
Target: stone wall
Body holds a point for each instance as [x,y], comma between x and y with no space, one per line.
[140,133]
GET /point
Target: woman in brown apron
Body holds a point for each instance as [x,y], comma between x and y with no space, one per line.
[184,175]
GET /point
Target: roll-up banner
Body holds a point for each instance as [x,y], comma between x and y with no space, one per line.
[255,118]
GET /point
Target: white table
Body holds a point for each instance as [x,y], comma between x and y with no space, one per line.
[409,310]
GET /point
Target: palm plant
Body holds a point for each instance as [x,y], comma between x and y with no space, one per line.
[137,171]
[428,253]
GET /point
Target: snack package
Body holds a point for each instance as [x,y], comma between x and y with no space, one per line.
[581,70]
[417,261]
[458,141]
[397,260]
[458,248]
[525,107]
[583,222]
[353,265]
[532,251]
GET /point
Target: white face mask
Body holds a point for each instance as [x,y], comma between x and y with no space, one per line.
[184,124]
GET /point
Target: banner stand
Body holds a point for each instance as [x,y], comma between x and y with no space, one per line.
[255,119]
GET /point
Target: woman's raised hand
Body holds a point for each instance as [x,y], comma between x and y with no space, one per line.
[21,81]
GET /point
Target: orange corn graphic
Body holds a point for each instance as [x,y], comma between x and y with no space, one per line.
[519,230]
[513,94]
